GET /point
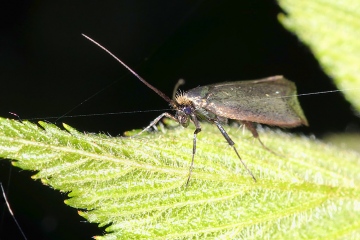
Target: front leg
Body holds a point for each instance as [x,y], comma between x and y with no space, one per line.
[155,121]
[197,130]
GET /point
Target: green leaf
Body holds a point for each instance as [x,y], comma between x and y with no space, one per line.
[135,186]
[331,29]
[344,140]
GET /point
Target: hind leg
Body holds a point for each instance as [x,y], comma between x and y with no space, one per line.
[252,129]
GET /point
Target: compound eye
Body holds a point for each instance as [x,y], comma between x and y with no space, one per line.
[187,110]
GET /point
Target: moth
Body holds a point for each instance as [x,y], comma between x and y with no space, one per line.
[271,101]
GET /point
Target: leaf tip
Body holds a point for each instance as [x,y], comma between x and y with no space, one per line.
[81,213]
[15,164]
[43,180]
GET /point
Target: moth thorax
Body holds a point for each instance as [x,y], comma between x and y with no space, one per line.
[182,99]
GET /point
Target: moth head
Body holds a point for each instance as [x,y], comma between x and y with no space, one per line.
[183,115]
[184,109]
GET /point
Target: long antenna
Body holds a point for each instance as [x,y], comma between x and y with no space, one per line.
[11,212]
[160,93]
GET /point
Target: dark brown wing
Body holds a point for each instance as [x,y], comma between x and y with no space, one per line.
[271,101]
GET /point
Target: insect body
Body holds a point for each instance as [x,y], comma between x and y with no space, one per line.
[259,101]
[270,101]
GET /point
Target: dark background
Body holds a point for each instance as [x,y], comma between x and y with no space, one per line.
[47,68]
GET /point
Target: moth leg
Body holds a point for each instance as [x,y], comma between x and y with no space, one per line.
[252,129]
[197,130]
[155,121]
[231,143]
